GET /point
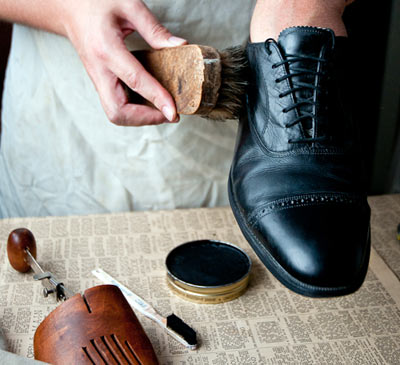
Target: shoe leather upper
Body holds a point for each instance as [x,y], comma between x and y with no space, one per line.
[297,175]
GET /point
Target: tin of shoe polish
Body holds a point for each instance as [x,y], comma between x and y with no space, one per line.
[208,271]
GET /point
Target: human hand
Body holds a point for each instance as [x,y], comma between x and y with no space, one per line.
[97,29]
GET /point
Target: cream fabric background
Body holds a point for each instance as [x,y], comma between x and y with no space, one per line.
[60,155]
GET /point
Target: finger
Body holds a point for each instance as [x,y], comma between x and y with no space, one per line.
[128,69]
[139,115]
[155,34]
[115,103]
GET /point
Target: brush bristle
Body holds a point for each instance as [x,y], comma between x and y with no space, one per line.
[234,82]
[182,329]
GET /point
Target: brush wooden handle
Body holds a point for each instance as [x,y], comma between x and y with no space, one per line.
[191,74]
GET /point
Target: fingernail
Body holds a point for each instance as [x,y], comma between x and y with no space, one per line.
[168,113]
[176,41]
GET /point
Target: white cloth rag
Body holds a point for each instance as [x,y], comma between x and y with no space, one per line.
[59,155]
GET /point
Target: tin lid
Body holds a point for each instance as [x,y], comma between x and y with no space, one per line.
[208,271]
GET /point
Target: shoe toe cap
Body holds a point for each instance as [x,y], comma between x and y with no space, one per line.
[319,245]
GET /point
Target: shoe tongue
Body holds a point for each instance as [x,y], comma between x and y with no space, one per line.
[308,42]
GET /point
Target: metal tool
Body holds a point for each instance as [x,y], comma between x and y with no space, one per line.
[172,324]
[21,249]
[97,327]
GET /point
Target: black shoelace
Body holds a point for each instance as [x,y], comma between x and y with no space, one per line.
[298,71]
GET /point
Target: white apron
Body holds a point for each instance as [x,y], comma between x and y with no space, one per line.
[59,155]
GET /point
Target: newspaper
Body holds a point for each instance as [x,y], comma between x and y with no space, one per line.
[385,219]
[269,324]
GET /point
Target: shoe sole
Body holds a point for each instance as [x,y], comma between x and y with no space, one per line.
[281,274]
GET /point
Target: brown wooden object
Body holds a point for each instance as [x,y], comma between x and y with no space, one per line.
[19,240]
[98,327]
[191,74]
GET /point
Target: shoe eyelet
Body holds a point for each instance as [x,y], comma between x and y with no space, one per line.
[266,45]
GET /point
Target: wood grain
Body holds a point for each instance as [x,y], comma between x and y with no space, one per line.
[191,74]
[18,241]
[98,327]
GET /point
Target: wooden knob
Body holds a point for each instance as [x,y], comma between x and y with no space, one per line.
[19,240]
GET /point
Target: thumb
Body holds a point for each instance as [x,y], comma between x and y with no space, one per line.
[154,33]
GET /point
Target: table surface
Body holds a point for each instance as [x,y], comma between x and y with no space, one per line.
[267,325]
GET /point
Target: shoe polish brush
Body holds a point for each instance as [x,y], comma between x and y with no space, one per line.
[201,79]
[174,326]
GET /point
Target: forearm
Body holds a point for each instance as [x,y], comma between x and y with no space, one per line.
[48,15]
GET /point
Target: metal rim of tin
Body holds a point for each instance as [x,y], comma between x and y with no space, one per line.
[209,294]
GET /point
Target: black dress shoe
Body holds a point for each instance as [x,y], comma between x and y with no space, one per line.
[296,185]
